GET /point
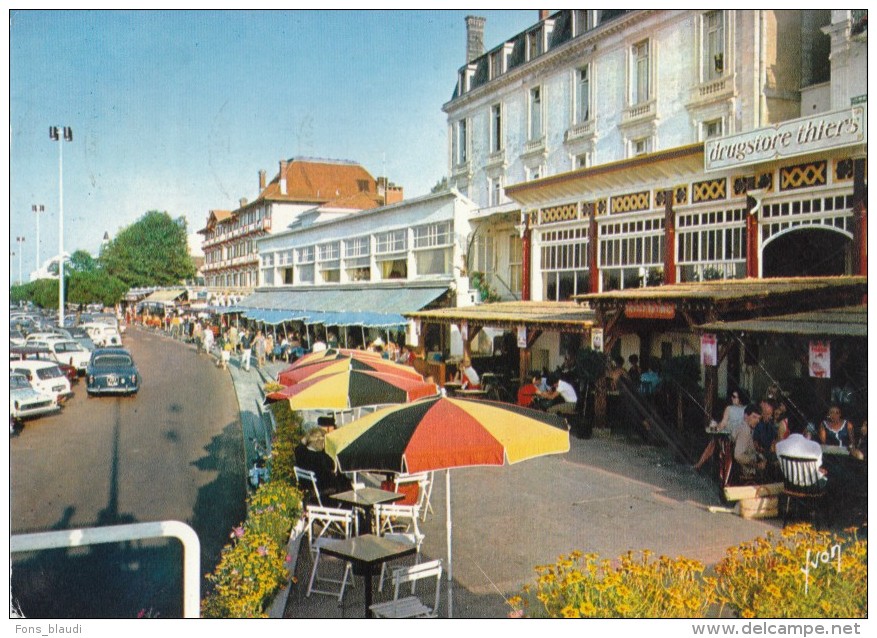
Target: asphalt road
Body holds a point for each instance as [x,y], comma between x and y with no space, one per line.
[172,452]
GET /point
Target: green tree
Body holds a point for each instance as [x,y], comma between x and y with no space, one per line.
[95,286]
[151,252]
[82,261]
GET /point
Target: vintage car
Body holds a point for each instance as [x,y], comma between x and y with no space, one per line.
[42,353]
[25,402]
[44,376]
[112,371]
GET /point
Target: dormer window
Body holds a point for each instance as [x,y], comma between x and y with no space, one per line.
[497,66]
[535,43]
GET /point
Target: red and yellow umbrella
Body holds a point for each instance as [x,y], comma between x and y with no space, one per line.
[443,433]
[340,363]
[353,389]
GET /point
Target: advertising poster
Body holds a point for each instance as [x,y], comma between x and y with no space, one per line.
[597,339]
[820,359]
[709,351]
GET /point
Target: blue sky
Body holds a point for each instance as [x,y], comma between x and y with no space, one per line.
[178,111]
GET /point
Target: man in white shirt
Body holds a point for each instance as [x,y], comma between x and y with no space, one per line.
[799,446]
[562,396]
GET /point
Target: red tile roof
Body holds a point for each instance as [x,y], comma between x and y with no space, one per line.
[320,181]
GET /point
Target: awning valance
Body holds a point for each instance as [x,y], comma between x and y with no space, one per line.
[835,322]
[376,307]
[164,296]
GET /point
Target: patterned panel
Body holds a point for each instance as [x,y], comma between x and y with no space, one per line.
[843,170]
[631,202]
[680,194]
[803,175]
[563,213]
[587,209]
[709,191]
[741,184]
[601,206]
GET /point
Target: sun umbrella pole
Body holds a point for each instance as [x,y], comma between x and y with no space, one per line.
[449,525]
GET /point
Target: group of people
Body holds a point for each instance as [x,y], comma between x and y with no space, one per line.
[761,432]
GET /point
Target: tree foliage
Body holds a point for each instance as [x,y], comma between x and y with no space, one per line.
[95,286]
[151,252]
[42,292]
[82,261]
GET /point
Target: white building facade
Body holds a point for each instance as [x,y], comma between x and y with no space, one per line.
[586,142]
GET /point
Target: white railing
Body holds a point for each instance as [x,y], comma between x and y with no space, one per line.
[122,533]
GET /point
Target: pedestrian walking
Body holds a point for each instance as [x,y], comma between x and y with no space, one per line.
[246,349]
[208,339]
[224,352]
[234,338]
[198,336]
[259,348]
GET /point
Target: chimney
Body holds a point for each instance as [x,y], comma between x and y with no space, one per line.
[243,201]
[474,37]
[261,181]
[543,14]
[283,177]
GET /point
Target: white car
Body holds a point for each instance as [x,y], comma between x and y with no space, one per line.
[102,334]
[42,337]
[71,352]
[25,402]
[44,376]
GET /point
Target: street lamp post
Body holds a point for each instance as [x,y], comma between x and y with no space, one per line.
[20,241]
[55,137]
[37,209]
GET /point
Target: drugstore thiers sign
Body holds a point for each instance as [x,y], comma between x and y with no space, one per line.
[787,139]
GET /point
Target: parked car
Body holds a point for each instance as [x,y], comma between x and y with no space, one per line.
[102,334]
[112,371]
[43,337]
[44,376]
[71,353]
[33,352]
[25,402]
[81,336]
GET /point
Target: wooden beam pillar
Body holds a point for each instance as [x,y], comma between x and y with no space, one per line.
[860,218]
[752,237]
[526,246]
[593,244]
[670,237]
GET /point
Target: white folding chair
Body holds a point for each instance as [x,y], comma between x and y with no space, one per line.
[411,606]
[424,492]
[325,524]
[398,523]
[308,480]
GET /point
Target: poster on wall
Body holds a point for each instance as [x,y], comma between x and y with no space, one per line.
[597,339]
[709,350]
[820,359]
[522,336]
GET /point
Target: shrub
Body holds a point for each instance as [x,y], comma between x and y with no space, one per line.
[252,568]
[287,435]
[764,578]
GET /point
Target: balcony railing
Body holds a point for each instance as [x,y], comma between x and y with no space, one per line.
[580,130]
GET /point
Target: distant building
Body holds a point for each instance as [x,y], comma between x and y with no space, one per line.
[321,188]
[49,268]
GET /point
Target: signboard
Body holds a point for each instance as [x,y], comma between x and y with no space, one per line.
[522,336]
[650,310]
[820,359]
[787,139]
[597,339]
[709,350]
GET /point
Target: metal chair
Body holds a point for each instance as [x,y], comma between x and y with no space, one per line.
[398,523]
[411,606]
[802,483]
[424,494]
[308,480]
[326,524]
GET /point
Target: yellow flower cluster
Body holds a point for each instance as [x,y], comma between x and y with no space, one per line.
[635,586]
[253,567]
[764,578]
[803,573]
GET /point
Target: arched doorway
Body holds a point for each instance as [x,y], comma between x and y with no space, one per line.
[808,252]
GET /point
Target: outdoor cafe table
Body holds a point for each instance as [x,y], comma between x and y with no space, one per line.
[365,553]
[452,388]
[471,394]
[367,498]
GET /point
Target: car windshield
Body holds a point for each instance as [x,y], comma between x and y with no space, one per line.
[50,372]
[112,361]
[18,382]
[69,346]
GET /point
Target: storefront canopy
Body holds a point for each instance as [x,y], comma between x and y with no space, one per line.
[371,307]
[166,297]
[564,316]
[834,322]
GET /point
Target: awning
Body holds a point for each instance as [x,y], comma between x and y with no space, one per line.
[565,316]
[165,296]
[375,307]
[834,322]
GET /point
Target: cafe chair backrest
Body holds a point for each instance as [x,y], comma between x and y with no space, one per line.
[800,475]
[308,480]
[412,606]
[328,522]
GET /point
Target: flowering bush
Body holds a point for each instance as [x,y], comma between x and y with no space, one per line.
[287,436]
[583,586]
[253,567]
[803,573]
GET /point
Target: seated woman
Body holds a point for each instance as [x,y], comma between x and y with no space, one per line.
[835,430]
[311,455]
[467,376]
[732,418]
